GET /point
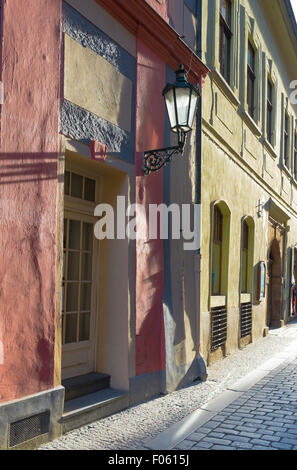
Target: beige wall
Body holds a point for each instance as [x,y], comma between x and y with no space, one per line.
[91,10]
[94,84]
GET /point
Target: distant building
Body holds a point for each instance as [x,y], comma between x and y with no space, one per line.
[249,172]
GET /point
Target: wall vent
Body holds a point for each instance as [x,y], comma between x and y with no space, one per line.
[28,428]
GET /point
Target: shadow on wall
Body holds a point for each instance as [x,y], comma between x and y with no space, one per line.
[28,189]
[28,167]
[183,364]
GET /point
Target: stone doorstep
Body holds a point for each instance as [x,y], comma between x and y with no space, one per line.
[85,384]
[84,410]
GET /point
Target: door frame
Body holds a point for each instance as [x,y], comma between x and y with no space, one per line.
[78,209]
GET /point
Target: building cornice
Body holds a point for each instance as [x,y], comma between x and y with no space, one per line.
[292,19]
[140,19]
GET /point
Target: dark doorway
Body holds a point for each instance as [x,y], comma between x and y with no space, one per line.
[275,285]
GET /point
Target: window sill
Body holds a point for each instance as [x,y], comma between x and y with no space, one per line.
[225,87]
[217,301]
[287,171]
[270,148]
[245,298]
[251,123]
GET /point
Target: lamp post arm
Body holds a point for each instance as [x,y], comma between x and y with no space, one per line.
[156,159]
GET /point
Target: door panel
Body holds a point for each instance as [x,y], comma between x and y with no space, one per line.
[79,302]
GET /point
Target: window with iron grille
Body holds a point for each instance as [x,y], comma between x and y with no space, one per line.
[225,38]
[218,327]
[245,319]
[251,80]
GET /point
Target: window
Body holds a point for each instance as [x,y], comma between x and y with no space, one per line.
[251,80]
[77,280]
[286,140]
[78,258]
[269,110]
[295,155]
[217,252]
[244,257]
[79,186]
[225,38]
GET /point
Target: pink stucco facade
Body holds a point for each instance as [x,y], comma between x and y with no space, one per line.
[28,186]
[49,138]
[150,356]
[161,7]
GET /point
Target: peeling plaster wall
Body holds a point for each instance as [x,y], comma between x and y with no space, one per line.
[80,122]
[88,35]
[81,125]
[28,160]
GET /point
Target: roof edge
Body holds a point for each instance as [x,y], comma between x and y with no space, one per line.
[291,15]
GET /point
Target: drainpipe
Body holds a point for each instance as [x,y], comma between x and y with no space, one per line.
[199,109]
[197,257]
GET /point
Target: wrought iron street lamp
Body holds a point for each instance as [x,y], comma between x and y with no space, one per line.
[181,101]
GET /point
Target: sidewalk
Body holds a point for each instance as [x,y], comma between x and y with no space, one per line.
[250,417]
[175,417]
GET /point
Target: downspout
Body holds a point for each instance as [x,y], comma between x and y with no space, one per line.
[199,109]
[197,256]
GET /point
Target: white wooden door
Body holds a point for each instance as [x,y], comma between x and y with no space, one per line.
[79,306]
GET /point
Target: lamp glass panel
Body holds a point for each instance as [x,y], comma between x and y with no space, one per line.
[169,99]
[182,103]
[193,105]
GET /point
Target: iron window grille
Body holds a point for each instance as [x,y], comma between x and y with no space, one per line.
[245,319]
[218,327]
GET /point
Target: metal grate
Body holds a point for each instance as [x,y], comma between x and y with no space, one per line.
[28,428]
[245,319]
[218,327]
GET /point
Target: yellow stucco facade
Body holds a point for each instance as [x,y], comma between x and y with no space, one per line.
[242,170]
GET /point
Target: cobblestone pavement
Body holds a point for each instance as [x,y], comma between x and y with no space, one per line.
[264,418]
[135,427]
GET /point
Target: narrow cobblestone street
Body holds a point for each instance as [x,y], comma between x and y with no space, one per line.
[248,402]
[263,418]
